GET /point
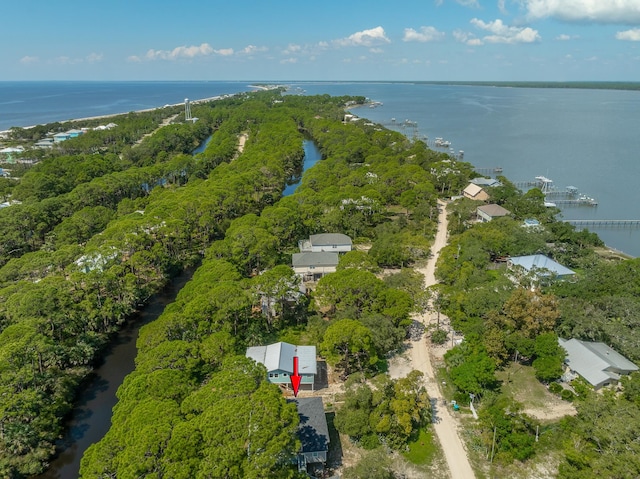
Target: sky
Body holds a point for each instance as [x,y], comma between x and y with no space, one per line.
[350,40]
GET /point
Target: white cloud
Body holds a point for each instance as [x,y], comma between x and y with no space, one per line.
[251,49]
[182,52]
[94,57]
[466,37]
[376,50]
[426,34]
[599,11]
[27,60]
[225,52]
[563,37]
[365,38]
[632,35]
[501,33]
[289,60]
[291,49]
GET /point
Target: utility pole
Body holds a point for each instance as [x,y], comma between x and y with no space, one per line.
[493,445]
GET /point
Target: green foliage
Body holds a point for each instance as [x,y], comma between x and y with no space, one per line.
[373,465]
[514,432]
[349,344]
[388,414]
[439,336]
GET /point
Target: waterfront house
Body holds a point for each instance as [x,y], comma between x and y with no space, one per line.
[487,213]
[482,181]
[332,242]
[596,363]
[313,266]
[313,432]
[278,359]
[475,192]
[75,133]
[540,266]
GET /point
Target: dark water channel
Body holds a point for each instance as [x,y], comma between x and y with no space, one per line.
[91,417]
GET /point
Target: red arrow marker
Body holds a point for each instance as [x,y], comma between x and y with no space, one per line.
[295,377]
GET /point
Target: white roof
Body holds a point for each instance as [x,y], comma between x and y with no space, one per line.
[541,262]
[595,362]
[279,357]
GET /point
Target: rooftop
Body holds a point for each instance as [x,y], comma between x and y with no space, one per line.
[328,239]
[541,263]
[494,210]
[312,430]
[315,259]
[279,356]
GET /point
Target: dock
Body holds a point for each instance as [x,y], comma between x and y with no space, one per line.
[489,171]
[605,223]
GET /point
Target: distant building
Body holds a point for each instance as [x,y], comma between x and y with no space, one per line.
[59,137]
[278,359]
[8,155]
[531,223]
[331,242]
[541,266]
[597,363]
[481,181]
[313,266]
[487,213]
[313,432]
[75,133]
[475,192]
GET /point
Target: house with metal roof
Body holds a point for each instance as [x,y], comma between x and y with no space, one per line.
[326,242]
[540,266]
[313,432]
[313,266]
[597,363]
[487,213]
[475,192]
[278,359]
[482,181]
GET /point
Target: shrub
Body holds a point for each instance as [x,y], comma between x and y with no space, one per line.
[555,388]
[567,395]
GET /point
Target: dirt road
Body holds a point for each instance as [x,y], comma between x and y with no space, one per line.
[444,424]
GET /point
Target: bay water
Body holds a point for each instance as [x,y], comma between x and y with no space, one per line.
[575,137]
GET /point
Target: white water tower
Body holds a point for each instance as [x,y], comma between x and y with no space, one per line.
[187,110]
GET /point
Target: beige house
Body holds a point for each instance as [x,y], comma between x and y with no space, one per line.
[475,192]
[488,212]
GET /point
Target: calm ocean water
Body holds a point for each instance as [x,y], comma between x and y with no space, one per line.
[583,138]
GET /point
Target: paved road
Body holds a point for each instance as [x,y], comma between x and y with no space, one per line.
[445,425]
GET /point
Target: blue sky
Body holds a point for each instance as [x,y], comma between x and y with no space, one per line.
[377,40]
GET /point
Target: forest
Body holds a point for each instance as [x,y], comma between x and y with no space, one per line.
[108,220]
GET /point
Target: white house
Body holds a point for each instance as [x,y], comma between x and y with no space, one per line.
[313,266]
[597,363]
[278,359]
[331,242]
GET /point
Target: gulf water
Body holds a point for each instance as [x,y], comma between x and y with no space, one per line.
[582,138]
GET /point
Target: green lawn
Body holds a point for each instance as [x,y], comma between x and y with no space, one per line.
[423,449]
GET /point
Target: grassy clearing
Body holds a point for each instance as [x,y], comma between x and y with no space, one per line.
[423,449]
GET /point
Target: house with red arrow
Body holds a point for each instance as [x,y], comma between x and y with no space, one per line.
[287,364]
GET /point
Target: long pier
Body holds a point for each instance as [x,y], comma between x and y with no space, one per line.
[605,223]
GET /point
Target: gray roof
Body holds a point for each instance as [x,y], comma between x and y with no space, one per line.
[485,181]
[279,357]
[312,430]
[595,362]
[494,210]
[329,239]
[314,259]
[541,262]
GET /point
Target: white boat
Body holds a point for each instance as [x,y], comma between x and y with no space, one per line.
[441,143]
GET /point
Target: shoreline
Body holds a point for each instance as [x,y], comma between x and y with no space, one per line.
[111,115]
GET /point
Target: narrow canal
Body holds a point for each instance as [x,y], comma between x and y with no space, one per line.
[91,418]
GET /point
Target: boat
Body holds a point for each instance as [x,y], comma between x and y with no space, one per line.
[441,143]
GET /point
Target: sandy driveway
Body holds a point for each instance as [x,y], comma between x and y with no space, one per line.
[444,424]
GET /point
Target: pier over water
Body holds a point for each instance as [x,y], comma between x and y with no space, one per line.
[605,223]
